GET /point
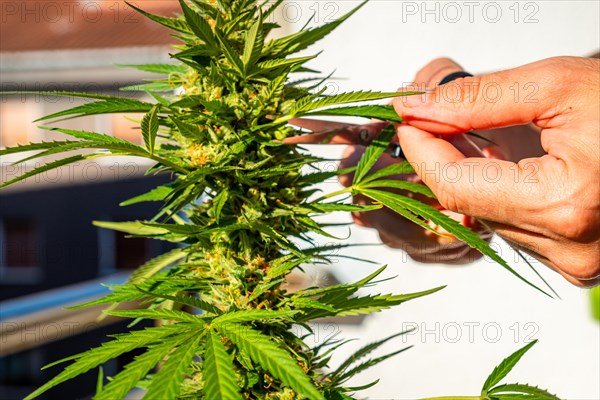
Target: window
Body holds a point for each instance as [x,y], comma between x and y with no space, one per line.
[118,252]
[130,252]
[20,251]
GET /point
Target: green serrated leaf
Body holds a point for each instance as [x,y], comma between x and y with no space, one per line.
[367,364]
[304,38]
[332,207]
[220,382]
[136,370]
[47,167]
[270,65]
[33,147]
[372,154]
[254,44]
[505,367]
[532,392]
[163,69]
[303,107]
[149,87]
[198,25]
[406,206]
[271,357]
[401,168]
[251,315]
[218,203]
[85,135]
[159,193]
[187,300]
[111,106]
[100,380]
[107,351]
[171,23]
[133,227]
[384,113]
[150,127]
[156,313]
[231,54]
[362,352]
[167,383]
[398,184]
[153,266]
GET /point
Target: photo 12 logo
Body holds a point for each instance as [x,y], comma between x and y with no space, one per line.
[470,11]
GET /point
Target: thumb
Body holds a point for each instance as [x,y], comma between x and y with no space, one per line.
[530,93]
[473,186]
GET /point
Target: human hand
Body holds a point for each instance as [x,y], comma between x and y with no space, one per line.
[393,229]
[548,206]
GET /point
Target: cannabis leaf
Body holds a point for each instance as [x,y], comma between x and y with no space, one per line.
[506,366]
[219,370]
[150,128]
[166,384]
[384,113]
[277,361]
[372,154]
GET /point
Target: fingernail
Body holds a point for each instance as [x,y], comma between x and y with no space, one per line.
[364,135]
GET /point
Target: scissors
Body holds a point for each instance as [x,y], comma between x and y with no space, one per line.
[331,132]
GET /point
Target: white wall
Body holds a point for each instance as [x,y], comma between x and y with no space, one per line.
[381,47]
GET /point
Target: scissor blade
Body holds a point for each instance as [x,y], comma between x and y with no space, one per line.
[318,125]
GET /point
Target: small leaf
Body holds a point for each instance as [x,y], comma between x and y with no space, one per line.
[270,65]
[150,128]
[372,154]
[398,184]
[153,266]
[171,23]
[219,376]
[505,367]
[218,203]
[254,44]
[331,207]
[401,168]
[100,380]
[384,113]
[85,135]
[164,69]
[198,25]
[363,352]
[231,54]
[532,392]
[132,227]
[157,194]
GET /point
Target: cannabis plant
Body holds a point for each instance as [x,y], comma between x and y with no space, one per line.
[243,216]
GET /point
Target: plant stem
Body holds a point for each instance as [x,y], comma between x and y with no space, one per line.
[457,398]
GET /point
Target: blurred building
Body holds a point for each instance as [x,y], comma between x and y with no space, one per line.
[50,253]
